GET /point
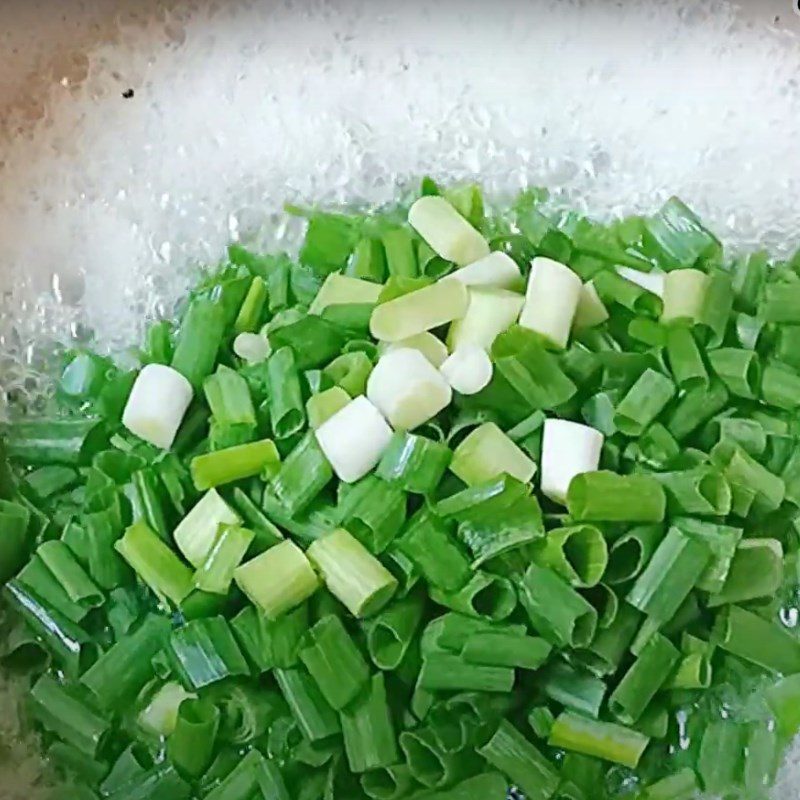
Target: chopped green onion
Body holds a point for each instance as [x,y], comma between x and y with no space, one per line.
[739,370]
[619,290]
[551,300]
[370,741]
[197,531]
[721,755]
[755,571]
[432,348]
[217,572]
[484,595]
[573,688]
[391,632]
[350,372]
[700,491]
[590,311]
[234,464]
[252,308]
[680,786]
[577,553]
[607,497]
[321,407]
[352,574]
[155,563]
[445,672]
[374,511]
[488,453]
[599,739]
[315,718]
[401,260]
[190,746]
[414,463]
[199,336]
[77,585]
[160,715]
[780,386]
[489,313]
[497,270]
[685,361]
[303,475]
[287,413]
[446,231]
[645,400]
[270,643]
[696,407]
[501,649]
[783,699]
[684,295]
[629,554]
[568,449]
[342,289]
[277,580]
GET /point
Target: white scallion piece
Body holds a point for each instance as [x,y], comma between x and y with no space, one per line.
[407,389]
[490,312]
[653,281]
[446,231]
[684,293]
[590,311]
[551,300]
[497,270]
[568,449]
[468,370]
[419,311]
[197,531]
[252,347]
[156,405]
[341,290]
[435,350]
[353,439]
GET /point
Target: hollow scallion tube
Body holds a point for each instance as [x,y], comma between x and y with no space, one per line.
[721,540]
[756,571]
[685,361]
[487,453]
[783,699]
[555,609]
[334,662]
[780,386]
[197,531]
[234,464]
[351,573]
[160,714]
[573,688]
[568,449]
[271,643]
[578,553]
[604,655]
[696,407]
[190,746]
[700,491]
[278,579]
[618,289]
[374,511]
[604,496]
[755,639]
[350,371]
[302,476]
[511,753]
[751,483]
[199,337]
[419,311]
[414,463]
[446,672]
[684,295]
[673,571]
[446,231]
[216,573]
[249,316]
[739,370]
[629,553]
[287,412]
[484,595]
[604,740]
[645,400]
[590,311]
[390,783]
[646,676]
[429,762]
[79,587]
[391,632]
[155,563]
[506,649]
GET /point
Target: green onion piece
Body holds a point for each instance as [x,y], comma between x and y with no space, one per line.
[485,595]
[334,662]
[313,339]
[445,672]
[155,563]
[694,671]
[65,712]
[302,476]
[14,538]
[700,491]
[717,307]
[374,512]
[245,780]
[270,643]
[779,304]
[541,720]
[78,586]
[739,370]
[287,412]
[749,434]
[198,530]
[120,673]
[199,336]
[643,402]
[352,574]
[684,295]
[721,540]
[681,785]
[721,755]
[429,762]
[578,553]
[645,677]
[217,572]
[204,651]
[391,783]
[762,757]
[391,632]
[607,497]
[484,500]
[696,407]
[322,406]
[757,640]
[783,699]
[234,464]
[440,559]
[614,289]
[555,609]
[629,554]
[414,463]
[159,716]
[676,238]
[342,289]
[55,441]
[315,718]
[450,632]
[419,311]
[252,308]
[502,649]
[370,741]
[604,655]
[190,747]
[685,361]
[490,312]
[751,483]
[511,753]
[756,571]
[277,580]
[486,454]
[401,260]
[673,571]
[368,261]
[604,740]
[350,371]
[780,386]
[573,688]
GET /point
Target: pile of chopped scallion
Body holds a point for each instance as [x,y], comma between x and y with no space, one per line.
[452,502]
